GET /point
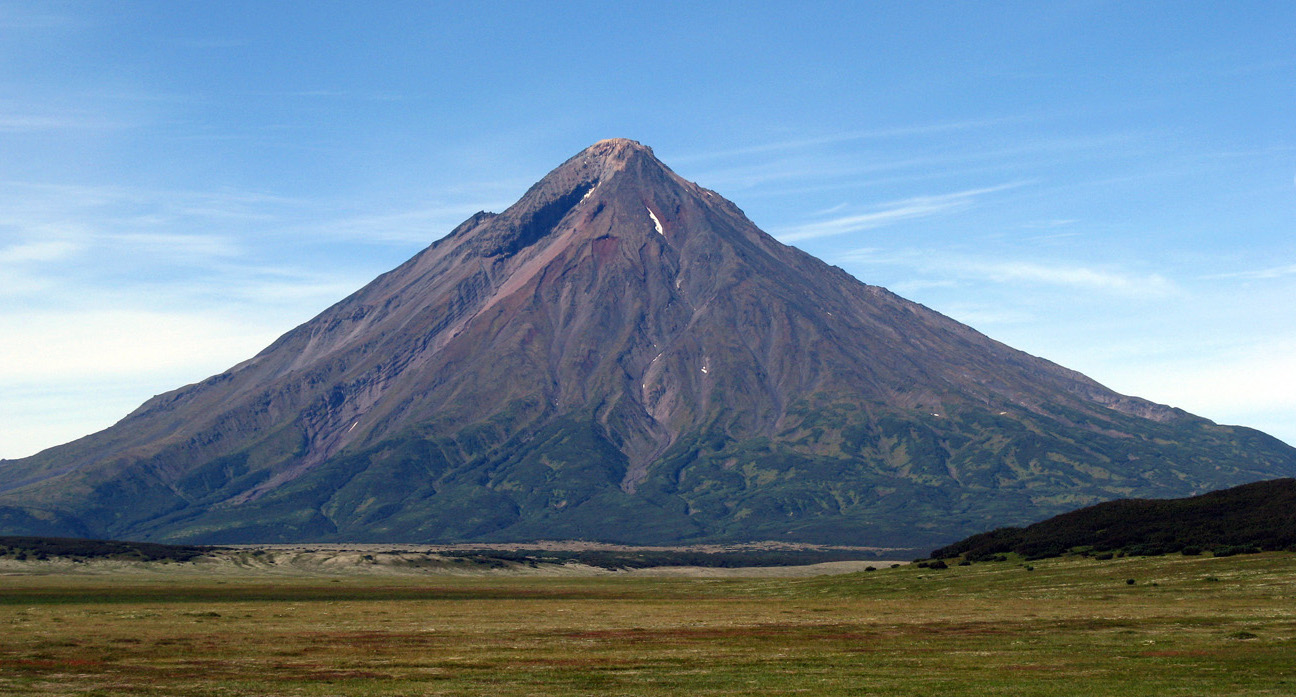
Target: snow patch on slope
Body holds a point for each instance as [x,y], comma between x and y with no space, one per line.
[656,222]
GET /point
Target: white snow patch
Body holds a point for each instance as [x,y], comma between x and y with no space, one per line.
[704,369]
[656,222]
[353,427]
[587,193]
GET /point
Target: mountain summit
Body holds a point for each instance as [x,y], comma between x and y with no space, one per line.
[623,356]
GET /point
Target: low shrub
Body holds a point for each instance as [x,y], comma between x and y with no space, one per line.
[1235,549]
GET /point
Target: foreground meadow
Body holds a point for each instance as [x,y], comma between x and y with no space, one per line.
[1185,626]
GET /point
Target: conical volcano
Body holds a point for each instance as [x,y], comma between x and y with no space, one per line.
[622,356]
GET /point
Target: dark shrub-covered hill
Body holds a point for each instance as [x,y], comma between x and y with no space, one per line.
[1251,517]
[25,547]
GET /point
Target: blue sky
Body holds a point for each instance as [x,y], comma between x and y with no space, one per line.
[1109,185]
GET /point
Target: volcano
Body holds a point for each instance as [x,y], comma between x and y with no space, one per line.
[622,356]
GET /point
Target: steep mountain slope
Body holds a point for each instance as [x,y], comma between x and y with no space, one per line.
[622,355]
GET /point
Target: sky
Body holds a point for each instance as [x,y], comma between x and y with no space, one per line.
[1108,185]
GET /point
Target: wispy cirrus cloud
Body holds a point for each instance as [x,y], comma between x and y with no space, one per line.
[854,136]
[1267,273]
[938,268]
[71,249]
[38,251]
[1068,275]
[1049,224]
[175,247]
[859,166]
[105,204]
[907,209]
[216,221]
[31,123]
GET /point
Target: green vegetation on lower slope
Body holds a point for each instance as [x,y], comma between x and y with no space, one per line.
[837,473]
[1130,627]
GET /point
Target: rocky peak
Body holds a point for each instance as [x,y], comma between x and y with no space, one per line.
[618,178]
[617,150]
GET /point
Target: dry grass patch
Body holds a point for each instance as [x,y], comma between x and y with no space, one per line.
[988,629]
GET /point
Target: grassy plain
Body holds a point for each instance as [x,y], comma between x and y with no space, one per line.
[1186,626]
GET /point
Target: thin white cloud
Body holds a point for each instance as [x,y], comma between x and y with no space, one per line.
[908,209]
[52,244]
[943,266]
[200,248]
[909,287]
[1071,276]
[1258,274]
[852,136]
[218,222]
[29,123]
[39,251]
[1049,224]
[852,168]
[829,211]
[102,206]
